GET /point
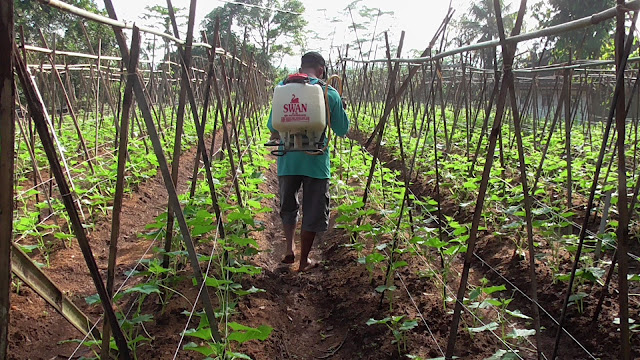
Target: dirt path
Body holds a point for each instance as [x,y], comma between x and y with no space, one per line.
[321,314]
[36,329]
[305,310]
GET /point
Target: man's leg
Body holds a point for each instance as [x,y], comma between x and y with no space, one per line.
[289,232]
[315,208]
[289,186]
[306,240]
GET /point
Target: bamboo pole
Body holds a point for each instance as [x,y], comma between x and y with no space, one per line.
[567,132]
[177,144]
[138,89]
[7,134]
[205,109]
[623,211]
[533,290]
[55,72]
[119,192]
[508,56]
[618,93]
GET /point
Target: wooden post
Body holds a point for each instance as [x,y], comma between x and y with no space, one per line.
[122,161]
[508,55]
[56,74]
[177,144]
[623,211]
[139,91]
[7,131]
[621,62]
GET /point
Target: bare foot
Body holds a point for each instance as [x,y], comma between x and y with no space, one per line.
[308,265]
[288,259]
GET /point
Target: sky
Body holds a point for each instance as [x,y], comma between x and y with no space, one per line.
[419,19]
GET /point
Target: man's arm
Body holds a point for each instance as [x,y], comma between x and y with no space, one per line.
[270,121]
[339,118]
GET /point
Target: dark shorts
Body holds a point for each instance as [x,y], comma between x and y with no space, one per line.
[315,201]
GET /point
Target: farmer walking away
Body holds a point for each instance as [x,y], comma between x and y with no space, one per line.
[304,112]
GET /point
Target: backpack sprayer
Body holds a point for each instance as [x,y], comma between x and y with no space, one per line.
[301,115]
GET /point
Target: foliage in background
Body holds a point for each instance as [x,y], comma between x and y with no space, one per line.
[479,24]
[585,44]
[65,27]
[270,34]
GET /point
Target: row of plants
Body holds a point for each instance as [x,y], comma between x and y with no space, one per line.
[42,221]
[228,261]
[459,179]
[377,237]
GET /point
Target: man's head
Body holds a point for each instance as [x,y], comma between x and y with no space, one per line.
[313,64]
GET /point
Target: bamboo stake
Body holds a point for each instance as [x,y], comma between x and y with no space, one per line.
[177,144]
[122,162]
[623,212]
[7,134]
[508,55]
[83,144]
[618,93]
[157,148]
[205,109]
[533,291]
[382,123]
[567,131]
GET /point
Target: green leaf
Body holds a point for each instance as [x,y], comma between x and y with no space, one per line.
[520,333]
[146,289]
[204,350]
[92,299]
[244,333]
[504,355]
[517,314]
[202,229]
[408,325]
[203,333]
[492,289]
[244,269]
[399,264]
[252,290]
[373,321]
[383,288]
[27,249]
[240,241]
[435,243]
[488,327]
[213,282]
[254,204]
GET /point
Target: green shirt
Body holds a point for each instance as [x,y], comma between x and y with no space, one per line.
[315,166]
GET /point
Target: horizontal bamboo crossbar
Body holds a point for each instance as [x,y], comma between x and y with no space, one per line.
[549,31]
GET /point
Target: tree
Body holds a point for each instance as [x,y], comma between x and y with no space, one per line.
[479,25]
[275,28]
[364,22]
[584,44]
[66,27]
[159,19]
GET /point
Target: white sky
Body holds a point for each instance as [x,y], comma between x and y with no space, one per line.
[419,19]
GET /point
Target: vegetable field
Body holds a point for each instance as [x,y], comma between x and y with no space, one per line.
[478,211]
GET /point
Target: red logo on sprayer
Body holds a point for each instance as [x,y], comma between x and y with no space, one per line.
[294,111]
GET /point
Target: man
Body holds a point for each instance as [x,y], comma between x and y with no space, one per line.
[312,172]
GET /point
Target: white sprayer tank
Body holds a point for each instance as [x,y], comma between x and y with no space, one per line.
[298,108]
